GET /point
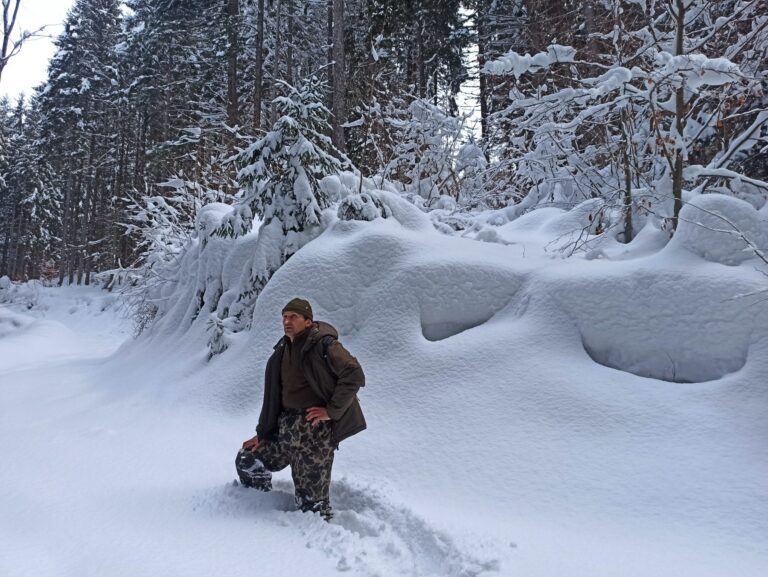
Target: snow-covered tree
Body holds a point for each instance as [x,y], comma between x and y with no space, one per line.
[80,108]
[632,120]
[424,156]
[280,173]
[29,199]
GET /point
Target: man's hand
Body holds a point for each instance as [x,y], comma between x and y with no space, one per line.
[252,444]
[317,414]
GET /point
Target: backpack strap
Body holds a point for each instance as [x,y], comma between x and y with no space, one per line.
[327,341]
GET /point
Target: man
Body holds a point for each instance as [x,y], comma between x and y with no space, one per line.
[310,406]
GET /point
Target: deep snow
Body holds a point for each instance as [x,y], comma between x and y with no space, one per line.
[528,415]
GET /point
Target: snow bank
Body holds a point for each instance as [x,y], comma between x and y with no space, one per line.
[21,295]
[721,229]
[11,322]
[212,283]
[660,323]
[43,324]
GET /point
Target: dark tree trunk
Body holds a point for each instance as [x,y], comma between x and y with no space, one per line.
[483,77]
[65,230]
[589,28]
[20,252]
[276,59]
[677,172]
[339,79]
[421,73]
[257,80]
[329,42]
[6,244]
[233,19]
[289,52]
[628,226]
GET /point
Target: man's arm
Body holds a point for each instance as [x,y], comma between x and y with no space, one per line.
[350,378]
[266,429]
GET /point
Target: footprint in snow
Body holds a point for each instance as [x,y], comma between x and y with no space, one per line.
[368,534]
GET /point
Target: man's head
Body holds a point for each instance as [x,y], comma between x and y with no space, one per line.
[297,316]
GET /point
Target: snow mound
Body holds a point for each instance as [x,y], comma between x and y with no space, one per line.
[644,323]
[453,299]
[41,324]
[586,218]
[11,322]
[363,206]
[24,296]
[212,281]
[721,229]
[533,220]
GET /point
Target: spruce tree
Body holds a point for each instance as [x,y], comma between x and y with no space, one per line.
[280,172]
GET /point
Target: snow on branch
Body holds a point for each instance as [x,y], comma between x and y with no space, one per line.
[697,69]
[517,65]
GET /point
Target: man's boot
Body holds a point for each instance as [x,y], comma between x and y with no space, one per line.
[252,471]
[322,506]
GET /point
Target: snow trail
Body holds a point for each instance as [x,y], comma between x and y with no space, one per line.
[368,535]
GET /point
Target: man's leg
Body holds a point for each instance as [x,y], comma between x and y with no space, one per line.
[255,467]
[311,468]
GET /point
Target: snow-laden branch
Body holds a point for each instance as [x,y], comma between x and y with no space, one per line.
[745,141]
[697,70]
[517,64]
[698,171]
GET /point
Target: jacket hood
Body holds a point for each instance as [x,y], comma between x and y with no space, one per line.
[321,329]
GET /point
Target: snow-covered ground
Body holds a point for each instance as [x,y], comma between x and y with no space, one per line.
[528,415]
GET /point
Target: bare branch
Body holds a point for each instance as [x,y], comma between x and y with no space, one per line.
[10,48]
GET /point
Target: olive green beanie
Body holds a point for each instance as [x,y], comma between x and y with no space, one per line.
[299,306]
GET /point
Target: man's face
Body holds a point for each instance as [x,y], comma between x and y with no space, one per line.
[294,323]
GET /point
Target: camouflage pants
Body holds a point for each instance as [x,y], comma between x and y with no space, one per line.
[307,448]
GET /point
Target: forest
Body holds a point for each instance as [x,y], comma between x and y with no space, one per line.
[154,108]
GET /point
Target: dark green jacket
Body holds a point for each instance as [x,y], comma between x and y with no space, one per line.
[336,380]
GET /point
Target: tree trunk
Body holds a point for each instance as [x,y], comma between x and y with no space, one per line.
[276,60]
[421,78]
[589,28]
[339,80]
[65,228]
[677,172]
[7,48]
[233,19]
[21,246]
[329,42]
[481,59]
[289,52]
[4,264]
[257,81]
[94,234]
[628,226]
